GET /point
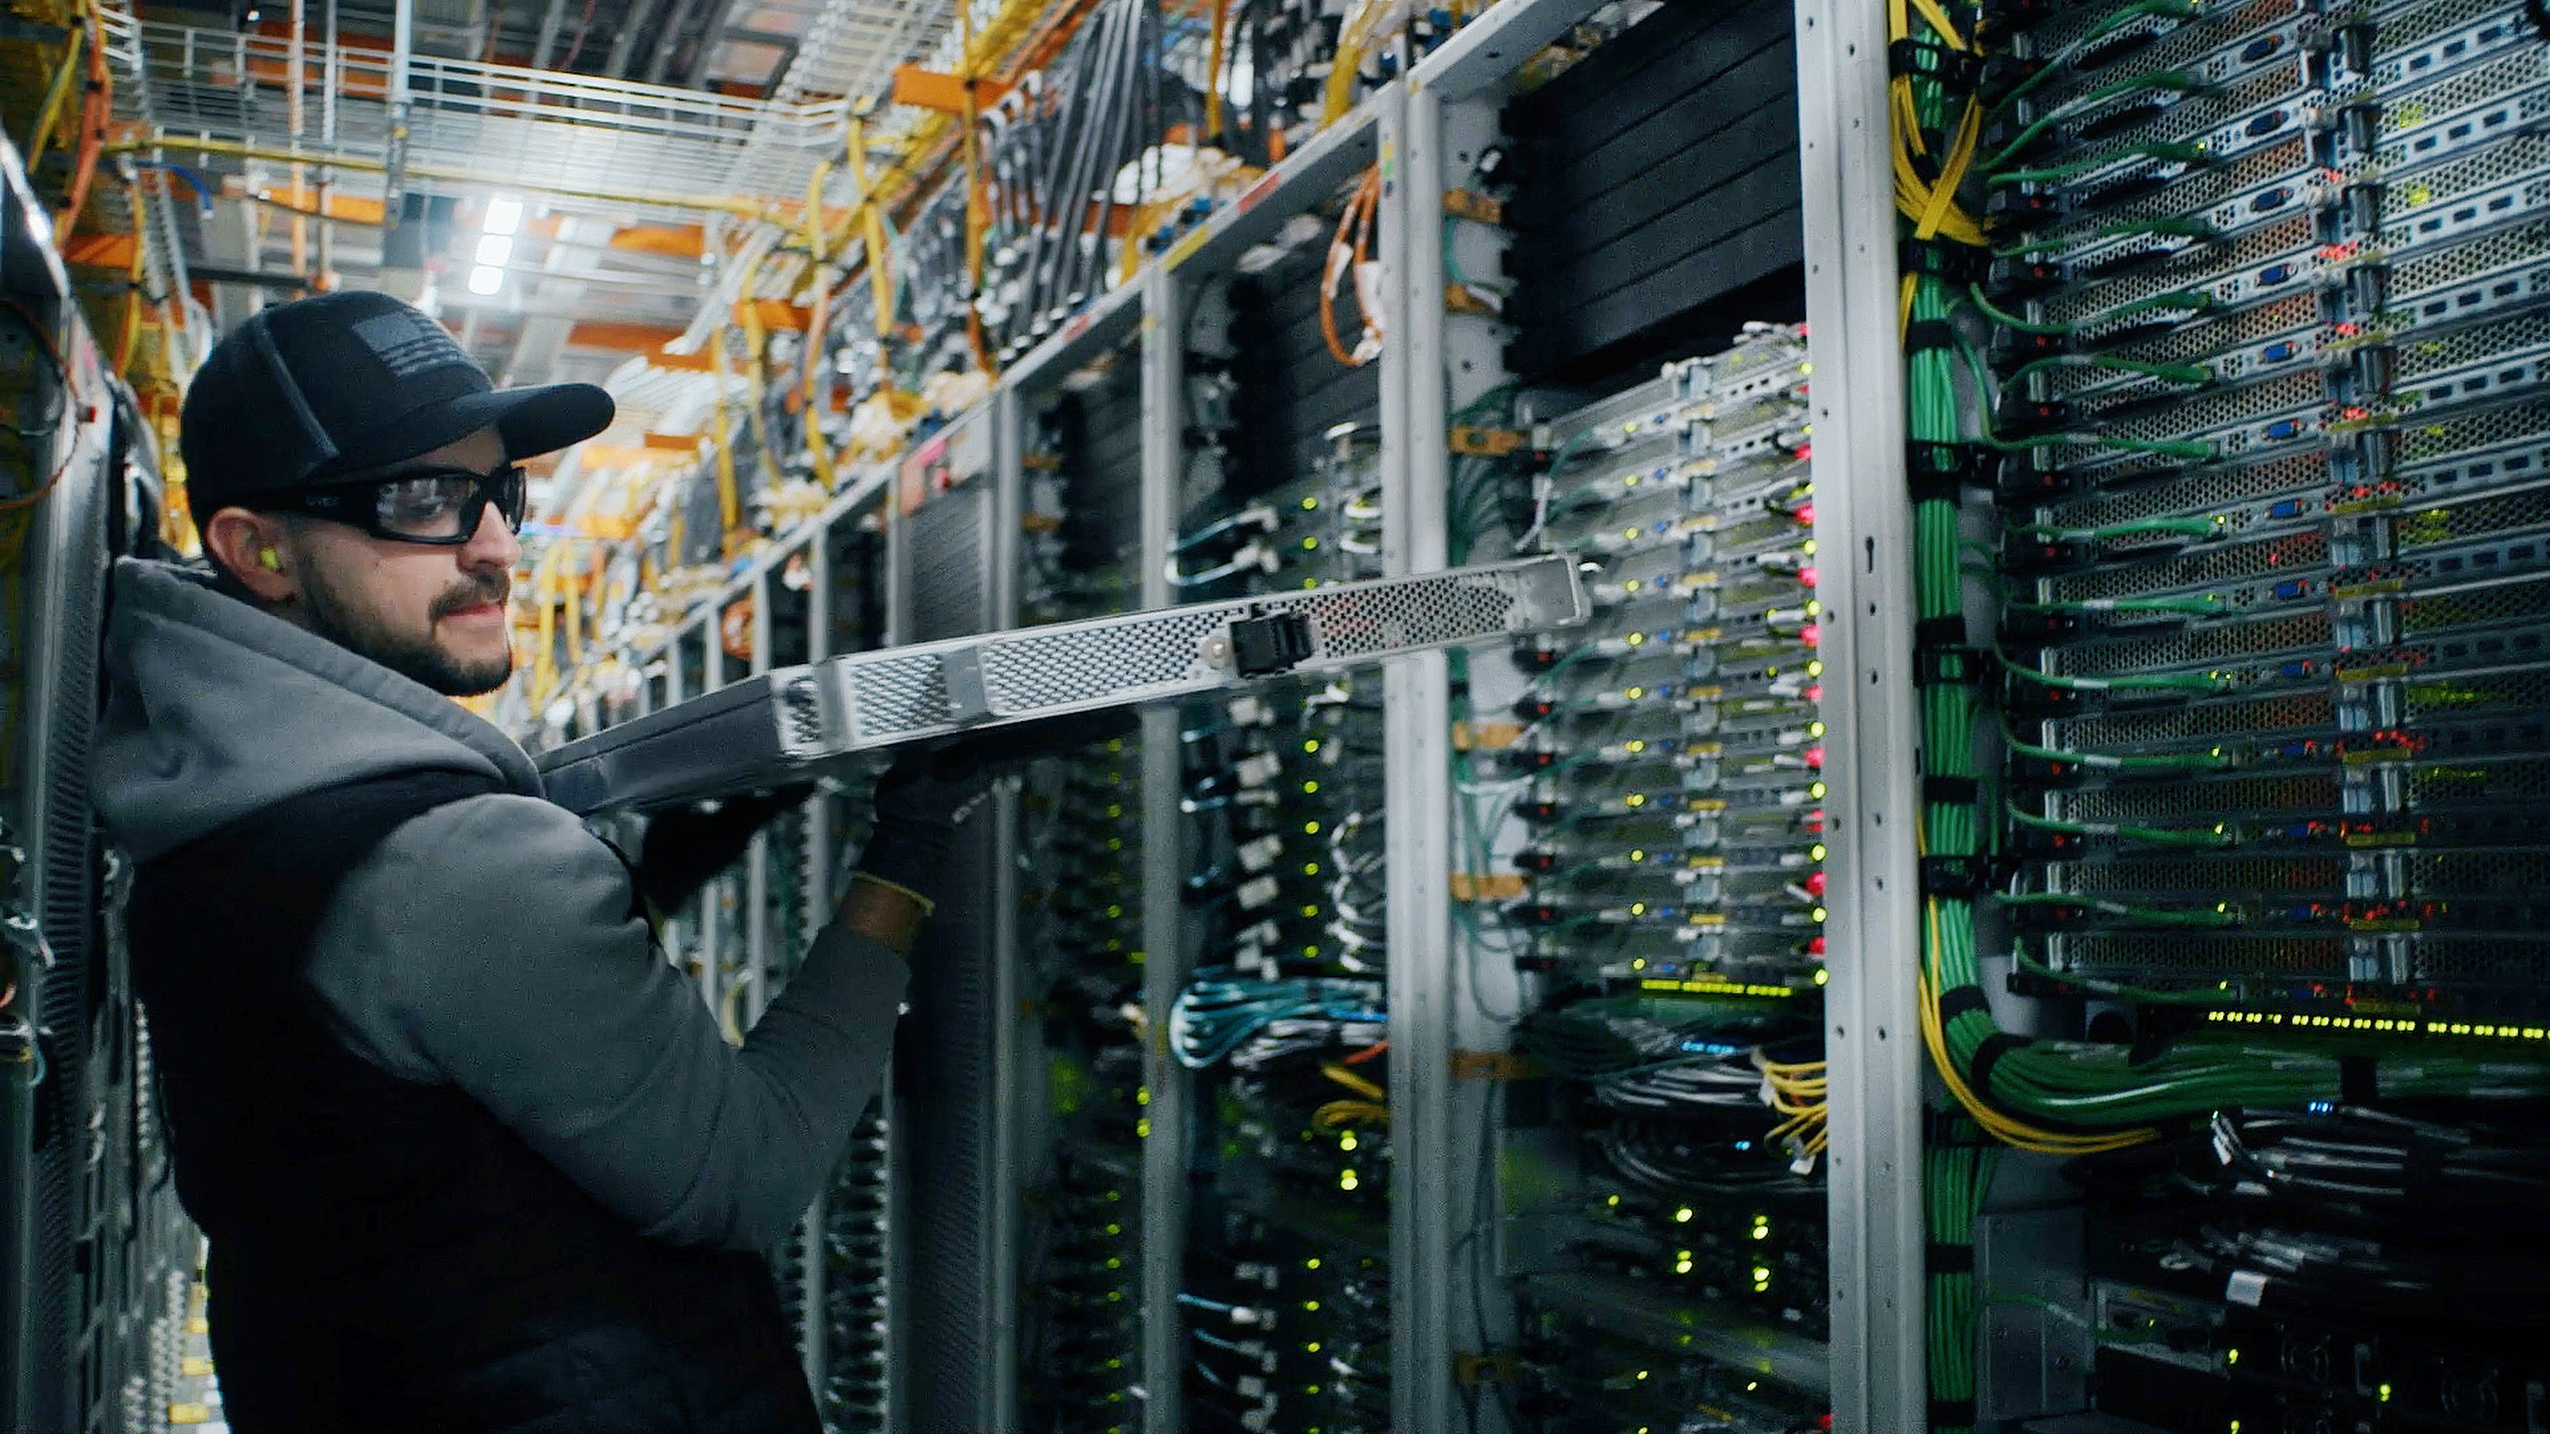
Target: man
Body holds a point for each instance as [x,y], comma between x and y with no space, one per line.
[469,1154]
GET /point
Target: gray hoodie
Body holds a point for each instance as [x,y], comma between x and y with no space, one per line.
[488,944]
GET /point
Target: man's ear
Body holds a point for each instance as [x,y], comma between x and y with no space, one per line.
[251,547]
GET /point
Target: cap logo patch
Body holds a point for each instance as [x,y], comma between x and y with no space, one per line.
[409,343]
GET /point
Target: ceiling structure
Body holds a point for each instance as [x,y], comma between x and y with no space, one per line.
[575,179]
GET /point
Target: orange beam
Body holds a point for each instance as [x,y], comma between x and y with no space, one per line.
[936,90]
[672,442]
[105,251]
[620,337]
[677,241]
[701,362]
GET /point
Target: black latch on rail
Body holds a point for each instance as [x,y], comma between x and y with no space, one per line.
[1264,644]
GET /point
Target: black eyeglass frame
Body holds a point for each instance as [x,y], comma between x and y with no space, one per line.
[358,504]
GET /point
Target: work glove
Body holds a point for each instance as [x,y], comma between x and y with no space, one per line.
[685,846]
[932,790]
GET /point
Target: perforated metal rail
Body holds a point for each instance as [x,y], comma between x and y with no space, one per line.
[781,726]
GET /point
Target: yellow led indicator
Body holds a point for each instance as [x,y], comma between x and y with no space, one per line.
[1347,1141]
[1634,799]
[1637,908]
[1822,976]
[1642,1374]
[1630,533]
[1817,915]
[1142,1128]
[1637,746]
[1682,1215]
[1634,693]
[1813,607]
[1637,853]
[1346,1180]
[1635,638]
[1816,791]
[1309,503]
[1311,828]
[2385,1392]
[1310,868]
[1631,586]
[1311,1348]
[1309,787]
[1142,1095]
[1761,1274]
[1311,746]
[1636,963]
[1310,542]
[1612,1201]
[1815,852]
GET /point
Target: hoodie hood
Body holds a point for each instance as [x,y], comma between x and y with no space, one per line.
[216,710]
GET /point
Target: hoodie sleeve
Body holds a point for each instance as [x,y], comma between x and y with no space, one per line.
[489,945]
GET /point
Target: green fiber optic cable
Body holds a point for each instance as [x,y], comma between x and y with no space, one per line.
[2215,760]
[2055,63]
[2181,81]
[2166,227]
[2217,836]
[2167,151]
[2217,917]
[2099,986]
[2185,527]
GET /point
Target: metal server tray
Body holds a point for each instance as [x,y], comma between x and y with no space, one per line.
[773,728]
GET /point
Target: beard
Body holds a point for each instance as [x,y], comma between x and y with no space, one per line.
[420,659]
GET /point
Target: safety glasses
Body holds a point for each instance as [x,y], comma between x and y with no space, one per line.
[439,507]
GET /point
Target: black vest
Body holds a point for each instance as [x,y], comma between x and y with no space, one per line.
[385,1255]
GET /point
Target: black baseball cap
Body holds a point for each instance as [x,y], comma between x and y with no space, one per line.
[333,388]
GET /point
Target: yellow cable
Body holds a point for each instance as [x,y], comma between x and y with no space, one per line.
[1352,1081]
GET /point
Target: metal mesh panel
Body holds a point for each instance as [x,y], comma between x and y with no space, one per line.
[2209,644]
[2201,567]
[2302,793]
[2180,956]
[1072,666]
[2210,874]
[2479,783]
[2473,607]
[2197,722]
[898,694]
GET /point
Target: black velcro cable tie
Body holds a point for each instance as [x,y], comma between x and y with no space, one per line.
[1951,878]
[1948,1259]
[1929,336]
[1931,666]
[1957,1000]
[1952,1414]
[2356,1083]
[1950,263]
[1951,791]
[1988,1055]
[1937,471]
[1938,644]
[1955,70]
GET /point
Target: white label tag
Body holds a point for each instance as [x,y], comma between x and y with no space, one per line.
[2245,1287]
[1261,853]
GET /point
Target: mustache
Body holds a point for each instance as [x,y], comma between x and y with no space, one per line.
[494,590]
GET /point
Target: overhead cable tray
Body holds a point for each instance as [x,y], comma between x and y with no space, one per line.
[783,726]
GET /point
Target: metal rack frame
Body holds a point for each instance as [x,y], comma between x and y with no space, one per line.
[1446,107]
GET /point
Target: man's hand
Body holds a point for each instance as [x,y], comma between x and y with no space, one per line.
[931,791]
[685,846]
